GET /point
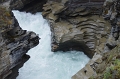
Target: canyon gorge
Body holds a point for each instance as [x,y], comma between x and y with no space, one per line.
[91,26]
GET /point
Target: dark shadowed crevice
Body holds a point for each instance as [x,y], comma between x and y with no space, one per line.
[75,45]
[34,6]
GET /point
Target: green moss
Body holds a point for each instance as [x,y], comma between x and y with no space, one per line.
[117,66]
[113,72]
[92,77]
[117,62]
[112,68]
[107,74]
[109,58]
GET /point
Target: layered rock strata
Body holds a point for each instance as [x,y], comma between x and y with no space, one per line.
[14,43]
[106,65]
[77,25]
[90,26]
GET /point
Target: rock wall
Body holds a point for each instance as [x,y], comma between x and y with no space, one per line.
[106,65]
[32,6]
[91,26]
[77,25]
[14,43]
[102,66]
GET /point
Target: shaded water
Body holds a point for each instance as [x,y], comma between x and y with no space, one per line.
[43,63]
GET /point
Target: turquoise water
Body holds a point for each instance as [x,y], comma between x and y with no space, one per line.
[43,63]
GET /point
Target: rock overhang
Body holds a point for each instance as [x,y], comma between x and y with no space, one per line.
[73,45]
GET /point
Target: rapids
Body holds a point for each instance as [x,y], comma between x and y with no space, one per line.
[43,63]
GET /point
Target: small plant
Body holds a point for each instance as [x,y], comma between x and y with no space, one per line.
[113,71]
[107,74]
[117,65]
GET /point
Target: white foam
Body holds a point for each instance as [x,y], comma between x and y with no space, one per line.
[43,63]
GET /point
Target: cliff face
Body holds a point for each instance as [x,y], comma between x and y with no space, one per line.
[106,65]
[77,25]
[14,43]
[91,26]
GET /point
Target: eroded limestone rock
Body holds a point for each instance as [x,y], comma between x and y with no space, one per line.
[91,25]
[77,23]
[107,65]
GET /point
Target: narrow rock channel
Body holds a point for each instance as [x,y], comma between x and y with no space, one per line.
[43,63]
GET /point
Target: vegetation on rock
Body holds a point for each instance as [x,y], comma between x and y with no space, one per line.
[5,17]
[112,68]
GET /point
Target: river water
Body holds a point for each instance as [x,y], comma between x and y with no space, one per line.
[43,63]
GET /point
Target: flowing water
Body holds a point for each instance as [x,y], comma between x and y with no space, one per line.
[43,63]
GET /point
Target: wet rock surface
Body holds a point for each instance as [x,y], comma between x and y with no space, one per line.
[14,43]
